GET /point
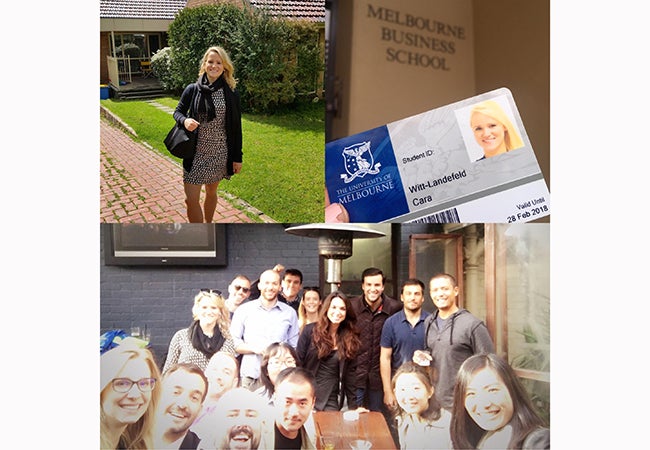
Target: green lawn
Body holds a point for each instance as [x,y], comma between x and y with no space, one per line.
[283,155]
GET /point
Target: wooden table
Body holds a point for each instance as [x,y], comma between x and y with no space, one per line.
[371,426]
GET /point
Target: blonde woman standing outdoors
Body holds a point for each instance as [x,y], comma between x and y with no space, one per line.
[211,106]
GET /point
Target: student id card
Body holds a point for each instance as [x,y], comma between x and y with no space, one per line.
[469,161]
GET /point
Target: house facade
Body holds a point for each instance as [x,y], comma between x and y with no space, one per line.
[131,31]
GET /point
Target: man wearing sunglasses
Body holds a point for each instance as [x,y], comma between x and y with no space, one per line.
[238,292]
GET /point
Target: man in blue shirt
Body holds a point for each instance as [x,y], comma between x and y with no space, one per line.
[259,323]
[402,334]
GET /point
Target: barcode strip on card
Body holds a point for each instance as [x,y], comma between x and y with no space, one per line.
[448,216]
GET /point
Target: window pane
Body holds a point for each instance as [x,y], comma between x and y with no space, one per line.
[525,304]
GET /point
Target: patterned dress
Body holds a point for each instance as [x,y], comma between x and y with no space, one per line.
[209,165]
[181,350]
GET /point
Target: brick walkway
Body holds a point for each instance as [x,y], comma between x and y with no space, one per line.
[139,185]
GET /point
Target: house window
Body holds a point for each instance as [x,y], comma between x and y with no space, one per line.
[517,277]
[136,45]
[130,45]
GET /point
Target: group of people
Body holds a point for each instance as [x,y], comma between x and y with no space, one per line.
[251,368]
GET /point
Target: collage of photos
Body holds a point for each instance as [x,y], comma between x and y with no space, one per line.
[324,224]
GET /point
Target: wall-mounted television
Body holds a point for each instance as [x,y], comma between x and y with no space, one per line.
[196,244]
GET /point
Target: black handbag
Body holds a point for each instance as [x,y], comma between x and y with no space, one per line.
[180,142]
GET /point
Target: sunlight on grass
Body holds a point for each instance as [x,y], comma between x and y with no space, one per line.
[284,155]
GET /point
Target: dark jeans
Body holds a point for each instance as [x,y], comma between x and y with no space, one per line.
[371,399]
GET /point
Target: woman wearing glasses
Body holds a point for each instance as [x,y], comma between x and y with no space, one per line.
[128,398]
[277,357]
[208,333]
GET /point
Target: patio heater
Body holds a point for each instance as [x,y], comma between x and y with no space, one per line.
[334,243]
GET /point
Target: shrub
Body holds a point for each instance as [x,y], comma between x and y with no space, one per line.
[161,68]
[275,60]
[194,30]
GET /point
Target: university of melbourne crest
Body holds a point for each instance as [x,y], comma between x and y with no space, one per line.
[358,161]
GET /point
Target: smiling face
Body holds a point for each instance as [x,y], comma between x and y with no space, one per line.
[245,426]
[311,301]
[294,401]
[443,293]
[207,310]
[489,133]
[221,373]
[242,421]
[411,393]
[213,66]
[123,408]
[239,290]
[373,287]
[180,402]
[278,362]
[337,311]
[269,285]
[488,401]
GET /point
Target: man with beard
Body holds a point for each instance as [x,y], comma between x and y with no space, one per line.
[451,335]
[222,374]
[372,309]
[239,290]
[259,323]
[291,286]
[241,417]
[402,334]
[294,399]
[184,389]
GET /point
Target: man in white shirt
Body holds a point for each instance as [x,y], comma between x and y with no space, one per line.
[259,323]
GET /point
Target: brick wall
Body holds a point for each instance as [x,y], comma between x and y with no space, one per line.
[161,297]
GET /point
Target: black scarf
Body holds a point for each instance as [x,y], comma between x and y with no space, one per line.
[205,105]
[206,345]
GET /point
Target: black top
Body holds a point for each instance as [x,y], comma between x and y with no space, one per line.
[191,441]
[370,325]
[283,442]
[308,356]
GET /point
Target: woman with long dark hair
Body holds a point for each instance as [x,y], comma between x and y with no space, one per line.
[208,333]
[327,348]
[493,410]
